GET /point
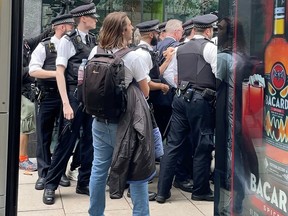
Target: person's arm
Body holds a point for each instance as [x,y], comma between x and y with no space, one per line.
[168,54]
[210,56]
[158,86]
[61,83]
[65,51]
[143,84]
[37,61]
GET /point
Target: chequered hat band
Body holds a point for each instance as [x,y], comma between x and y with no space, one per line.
[93,11]
[202,26]
[65,21]
[189,27]
[154,28]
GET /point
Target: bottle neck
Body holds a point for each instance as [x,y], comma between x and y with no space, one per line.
[279,17]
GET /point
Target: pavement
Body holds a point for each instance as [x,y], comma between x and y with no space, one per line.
[68,203]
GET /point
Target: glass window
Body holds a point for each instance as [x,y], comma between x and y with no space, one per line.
[252,105]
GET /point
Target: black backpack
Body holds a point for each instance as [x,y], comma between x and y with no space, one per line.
[104,92]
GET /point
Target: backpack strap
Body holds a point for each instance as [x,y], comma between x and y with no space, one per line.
[122,52]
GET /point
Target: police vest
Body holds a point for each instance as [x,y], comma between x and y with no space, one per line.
[49,63]
[192,66]
[82,52]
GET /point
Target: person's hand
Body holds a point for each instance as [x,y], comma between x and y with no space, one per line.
[168,53]
[68,112]
[164,88]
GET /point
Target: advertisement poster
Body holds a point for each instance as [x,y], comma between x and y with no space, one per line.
[252,104]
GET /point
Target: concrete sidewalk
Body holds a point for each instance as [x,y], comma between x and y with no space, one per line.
[68,203]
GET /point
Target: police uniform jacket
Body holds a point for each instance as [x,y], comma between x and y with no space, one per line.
[134,153]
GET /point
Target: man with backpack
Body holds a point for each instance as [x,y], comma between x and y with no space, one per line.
[73,47]
[122,141]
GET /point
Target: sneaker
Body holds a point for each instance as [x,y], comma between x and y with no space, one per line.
[28,166]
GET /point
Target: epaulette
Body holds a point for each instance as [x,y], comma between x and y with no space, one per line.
[70,34]
[46,40]
[93,37]
[91,34]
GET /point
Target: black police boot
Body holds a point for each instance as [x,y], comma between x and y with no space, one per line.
[82,190]
[39,185]
[186,185]
[49,197]
[65,182]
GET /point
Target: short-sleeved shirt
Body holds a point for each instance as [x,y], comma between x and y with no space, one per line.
[135,67]
[38,56]
[66,49]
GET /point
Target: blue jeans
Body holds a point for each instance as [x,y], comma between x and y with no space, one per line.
[104,139]
[140,198]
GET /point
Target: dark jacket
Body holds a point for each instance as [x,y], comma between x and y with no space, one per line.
[133,157]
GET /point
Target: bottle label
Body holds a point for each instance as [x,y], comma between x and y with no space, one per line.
[276,121]
[80,76]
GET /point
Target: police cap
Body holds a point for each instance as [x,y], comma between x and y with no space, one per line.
[205,21]
[63,19]
[85,10]
[188,25]
[148,26]
[162,26]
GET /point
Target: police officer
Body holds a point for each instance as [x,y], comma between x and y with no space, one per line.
[193,110]
[42,66]
[149,38]
[189,31]
[73,47]
[27,123]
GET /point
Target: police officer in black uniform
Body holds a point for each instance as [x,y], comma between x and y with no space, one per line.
[42,66]
[193,110]
[73,47]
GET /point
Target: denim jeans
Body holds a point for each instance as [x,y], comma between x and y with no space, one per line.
[104,139]
[140,198]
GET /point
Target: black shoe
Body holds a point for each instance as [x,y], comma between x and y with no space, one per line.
[152,195]
[65,182]
[39,185]
[205,197]
[186,186]
[82,190]
[162,199]
[49,197]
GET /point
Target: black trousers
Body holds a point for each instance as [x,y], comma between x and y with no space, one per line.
[47,110]
[67,139]
[198,118]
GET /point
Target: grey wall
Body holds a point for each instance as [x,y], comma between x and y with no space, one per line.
[32,18]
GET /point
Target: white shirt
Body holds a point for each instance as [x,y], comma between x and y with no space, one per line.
[66,49]
[135,67]
[38,56]
[209,55]
[146,56]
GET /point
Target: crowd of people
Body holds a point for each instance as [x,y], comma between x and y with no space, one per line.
[170,77]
